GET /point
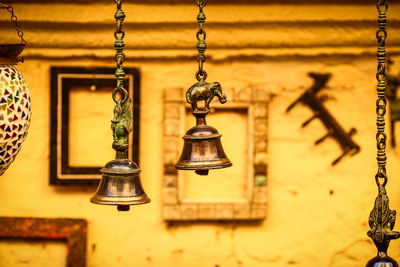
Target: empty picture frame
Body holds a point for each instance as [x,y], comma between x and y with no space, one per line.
[72,231]
[88,90]
[254,104]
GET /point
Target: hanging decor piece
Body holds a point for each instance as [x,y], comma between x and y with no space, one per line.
[15,102]
[334,129]
[180,206]
[66,111]
[202,150]
[393,85]
[382,219]
[120,183]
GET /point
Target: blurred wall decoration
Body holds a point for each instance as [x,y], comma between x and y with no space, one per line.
[75,96]
[393,84]
[314,101]
[316,213]
[72,232]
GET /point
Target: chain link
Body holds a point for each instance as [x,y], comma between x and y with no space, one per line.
[119,45]
[201,41]
[14,19]
[381,103]
[381,220]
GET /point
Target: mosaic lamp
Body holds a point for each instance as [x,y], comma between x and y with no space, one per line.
[15,102]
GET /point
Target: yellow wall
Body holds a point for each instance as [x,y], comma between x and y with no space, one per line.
[317,214]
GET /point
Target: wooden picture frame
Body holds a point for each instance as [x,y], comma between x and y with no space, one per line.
[63,80]
[175,208]
[72,231]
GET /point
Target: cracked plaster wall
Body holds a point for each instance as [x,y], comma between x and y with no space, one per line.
[317,214]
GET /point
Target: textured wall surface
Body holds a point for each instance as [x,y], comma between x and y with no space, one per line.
[317,214]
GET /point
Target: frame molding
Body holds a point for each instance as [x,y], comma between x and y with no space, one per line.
[73,231]
[62,80]
[175,208]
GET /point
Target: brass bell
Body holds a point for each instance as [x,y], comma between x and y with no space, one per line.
[382,261]
[120,183]
[202,149]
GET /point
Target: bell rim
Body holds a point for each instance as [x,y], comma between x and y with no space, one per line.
[208,166]
[112,201]
[116,172]
[204,137]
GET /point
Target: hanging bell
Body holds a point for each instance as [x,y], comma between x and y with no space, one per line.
[382,262]
[202,149]
[120,183]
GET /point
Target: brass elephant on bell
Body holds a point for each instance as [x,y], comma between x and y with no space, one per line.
[202,150]
[204,91]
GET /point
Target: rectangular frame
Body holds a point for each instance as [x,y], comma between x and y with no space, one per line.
[62,80]
[175,208]
[73,231]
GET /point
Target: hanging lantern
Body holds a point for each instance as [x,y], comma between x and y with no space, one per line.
[15,102]
[120,183]
[202,149]
[382,219]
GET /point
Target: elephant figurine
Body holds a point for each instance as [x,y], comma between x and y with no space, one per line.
[204,91]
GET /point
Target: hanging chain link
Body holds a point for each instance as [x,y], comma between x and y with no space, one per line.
[119,45]
[381,35]
[381,219]
[121,124]
[14,19]
[201,41]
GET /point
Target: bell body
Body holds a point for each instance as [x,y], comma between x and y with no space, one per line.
[382,262]
[15,114]
[202,150]
[120,185]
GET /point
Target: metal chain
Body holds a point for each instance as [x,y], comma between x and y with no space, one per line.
[119,45]
[14,19]
[381,219]
[381,35]
[201,41]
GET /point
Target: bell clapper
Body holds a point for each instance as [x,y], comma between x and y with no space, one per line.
[123,207]
[202,172]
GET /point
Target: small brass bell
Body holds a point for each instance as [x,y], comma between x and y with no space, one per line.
[202,149]
[120,183]
[382,262]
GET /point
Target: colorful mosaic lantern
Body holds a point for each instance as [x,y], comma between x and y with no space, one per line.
[15,114]
[15,102]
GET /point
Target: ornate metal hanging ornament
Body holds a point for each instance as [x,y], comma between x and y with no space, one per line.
[202,150]
[120,184]
[382,219]
[15,102]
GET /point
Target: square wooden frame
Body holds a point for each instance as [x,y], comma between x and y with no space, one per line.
[73,231]
[175,208]
[62,80]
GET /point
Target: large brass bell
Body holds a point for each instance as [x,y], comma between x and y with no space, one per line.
[120,183]
[202,149]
